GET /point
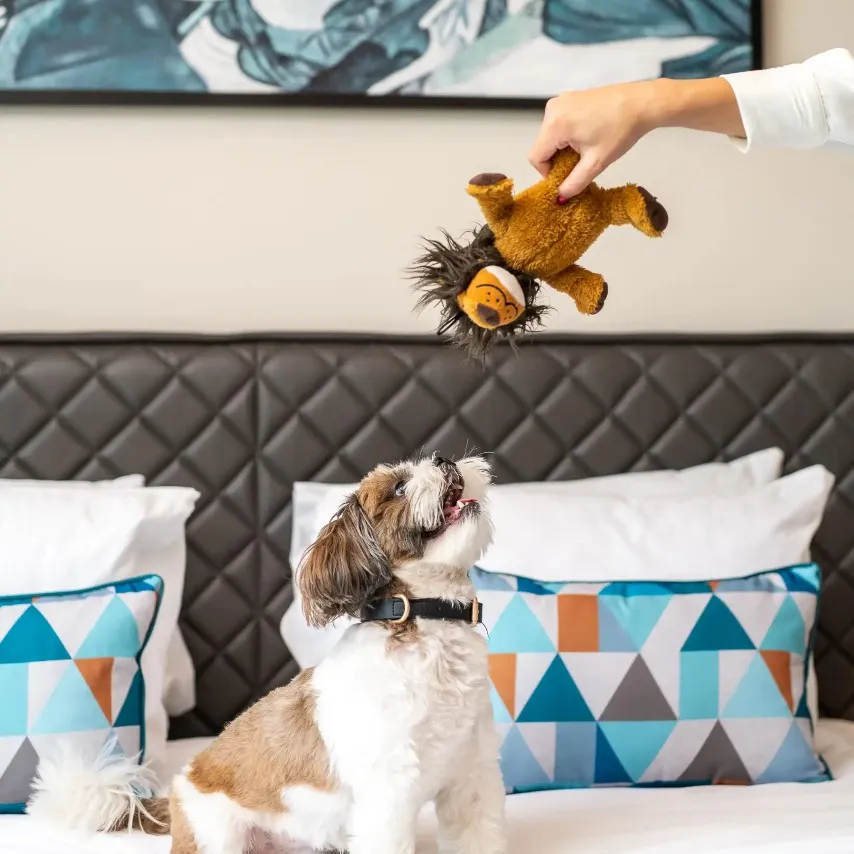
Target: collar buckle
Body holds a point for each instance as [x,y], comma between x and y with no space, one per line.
[407,609]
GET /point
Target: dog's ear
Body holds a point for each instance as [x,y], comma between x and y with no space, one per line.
[343,568]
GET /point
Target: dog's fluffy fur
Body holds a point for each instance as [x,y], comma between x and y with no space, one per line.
[345,757]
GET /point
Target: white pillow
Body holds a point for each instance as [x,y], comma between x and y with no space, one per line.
[55,539]
[314,504]
[126,481]
[676,537]
[751,470]
[180,685]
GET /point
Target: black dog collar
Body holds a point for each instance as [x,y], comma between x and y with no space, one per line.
[401,609]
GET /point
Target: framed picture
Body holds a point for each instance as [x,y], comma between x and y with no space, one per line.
[378,52]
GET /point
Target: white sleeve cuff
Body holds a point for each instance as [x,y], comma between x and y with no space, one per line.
[779,107]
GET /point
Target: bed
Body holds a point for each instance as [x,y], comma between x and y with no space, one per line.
[773,819]
[242,418]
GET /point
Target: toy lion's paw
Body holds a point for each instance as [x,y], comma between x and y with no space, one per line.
[490,184]
[591,300]
[487,179]
[602,297]
[655,211]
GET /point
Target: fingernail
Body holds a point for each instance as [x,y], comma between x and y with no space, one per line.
[562,200]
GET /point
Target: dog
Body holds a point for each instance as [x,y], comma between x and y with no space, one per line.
[398,715]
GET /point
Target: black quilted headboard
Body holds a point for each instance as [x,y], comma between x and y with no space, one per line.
[241,419]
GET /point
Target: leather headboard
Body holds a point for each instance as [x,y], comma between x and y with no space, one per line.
[242,418]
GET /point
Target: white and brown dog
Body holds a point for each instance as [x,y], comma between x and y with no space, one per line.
[398,715]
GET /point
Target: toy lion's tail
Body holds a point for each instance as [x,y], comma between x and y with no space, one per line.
[107,792]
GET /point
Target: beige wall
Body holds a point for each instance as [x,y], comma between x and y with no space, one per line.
[221,220]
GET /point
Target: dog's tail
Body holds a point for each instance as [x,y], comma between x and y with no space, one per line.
[106,792]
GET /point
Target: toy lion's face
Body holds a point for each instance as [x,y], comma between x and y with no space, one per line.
[481,297]
[493,298]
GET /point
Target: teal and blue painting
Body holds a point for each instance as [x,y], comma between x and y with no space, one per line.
[342,49]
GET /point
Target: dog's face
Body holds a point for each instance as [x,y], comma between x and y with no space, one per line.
[431,512]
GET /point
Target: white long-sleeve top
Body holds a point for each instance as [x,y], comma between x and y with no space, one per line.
[807,105]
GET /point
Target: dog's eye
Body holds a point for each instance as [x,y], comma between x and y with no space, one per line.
[400,489]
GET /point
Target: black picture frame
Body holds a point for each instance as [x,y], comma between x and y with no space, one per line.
[218,100]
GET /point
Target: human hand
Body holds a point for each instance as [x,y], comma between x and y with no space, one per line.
[600,124]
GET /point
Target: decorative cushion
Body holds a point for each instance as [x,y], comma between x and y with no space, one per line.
[70,672]
[652,683]
[179,694]
[76,538]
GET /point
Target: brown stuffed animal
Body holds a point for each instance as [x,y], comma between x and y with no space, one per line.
[490,286]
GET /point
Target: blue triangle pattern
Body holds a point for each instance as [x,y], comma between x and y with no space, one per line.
[638,614]
[685,587]
[717,629]
[115,635]
[556,698]
[609,770]
[637,743]
[518,765]
[31,639]
[499,710]
[803,579]
[757,695]
[483,580]
[528,585]
[628,589]
[140,585]
[803,710]
[575,754]
[739,585]
[699,681]
[519,631]
[71,707]
[612,636]
[13,707]
[131,713]
[554,586]
[795,760]
[787,632]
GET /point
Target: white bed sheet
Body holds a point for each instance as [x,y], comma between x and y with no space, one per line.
[773,819]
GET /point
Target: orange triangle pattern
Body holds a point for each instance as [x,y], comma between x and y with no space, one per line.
[98,675]
[577,623]
[714,585]
[502,672]
[780,665]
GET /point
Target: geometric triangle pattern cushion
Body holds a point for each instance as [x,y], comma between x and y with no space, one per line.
[651,684]
[88,691]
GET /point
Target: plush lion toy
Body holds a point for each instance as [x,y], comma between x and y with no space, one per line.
[490,286]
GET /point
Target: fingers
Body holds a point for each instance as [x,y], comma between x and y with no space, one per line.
[548,141]
[541,154]
[586,170]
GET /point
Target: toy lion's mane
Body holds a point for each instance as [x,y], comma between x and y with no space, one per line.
[445,270]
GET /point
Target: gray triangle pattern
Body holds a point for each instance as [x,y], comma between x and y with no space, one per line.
[638,698]
[717,760]
[18,775]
